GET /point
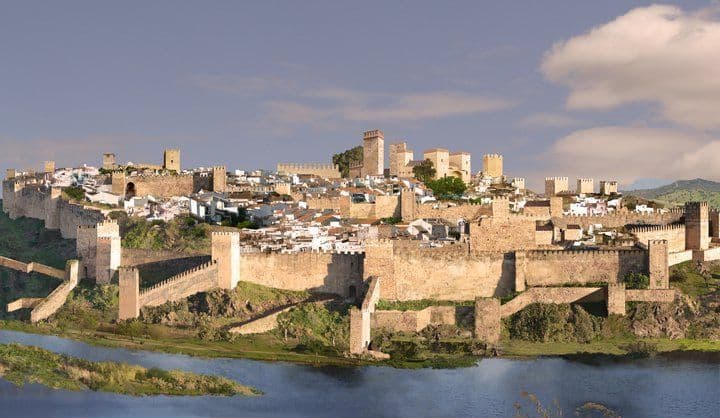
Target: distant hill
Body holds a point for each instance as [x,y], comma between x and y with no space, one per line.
[681,191]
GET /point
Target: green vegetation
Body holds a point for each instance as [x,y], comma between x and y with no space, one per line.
[637,281]
[447,187]
[391,221]
[182,234]
[424,171]
[317,328]
[240,220]
[682,191]
[22,364]
[694,280]
[347,159]
[74,193]
[553,323]
[418,305]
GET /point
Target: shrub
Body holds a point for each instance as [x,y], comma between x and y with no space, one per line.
[311,323]
[637,281]
[540,322]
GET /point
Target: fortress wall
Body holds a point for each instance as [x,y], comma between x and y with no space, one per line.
[46,270]
[387,206]
[674,234]
[677,258]
[86,249]
[164,185]
[329,171]
[13,264]
[71,215]
[620,219]
[138,256]
[413,321]
[467,212]
[313,271]
[556,267]
[188,283]
[361,210]
[56,299]
[340,204]
[650,295]
[502,235]
[360,319]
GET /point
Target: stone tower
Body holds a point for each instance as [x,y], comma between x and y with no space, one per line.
[697,228]
[226,253]
[49,167]
[585,186]
[400,157]
[492,165]
[461,161]
[129,300]
[608,187]
[108,161]
[219,178]
[373,153]
[555,185]
[440,158]
[171,159]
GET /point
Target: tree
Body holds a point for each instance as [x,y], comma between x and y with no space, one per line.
[347,159]
[447,186]
[425,171]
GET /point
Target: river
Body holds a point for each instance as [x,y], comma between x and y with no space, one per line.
[656,387]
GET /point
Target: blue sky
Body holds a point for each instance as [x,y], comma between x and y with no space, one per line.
[607,89]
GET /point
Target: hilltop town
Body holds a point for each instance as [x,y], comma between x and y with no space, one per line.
[463,249]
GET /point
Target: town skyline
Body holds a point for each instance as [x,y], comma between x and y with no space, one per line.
[482,90]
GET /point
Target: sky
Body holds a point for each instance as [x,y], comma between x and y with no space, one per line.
[606,89]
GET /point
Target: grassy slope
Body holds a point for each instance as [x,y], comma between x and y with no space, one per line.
[682,191]
[20,364]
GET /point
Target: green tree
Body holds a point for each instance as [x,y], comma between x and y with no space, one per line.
[348,158]
[447,186]
[425,171]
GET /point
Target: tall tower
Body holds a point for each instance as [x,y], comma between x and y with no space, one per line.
[108,162]
[697,226]
[585,186]
[555,185]
[171,159]
[461,162]
[373,153]
[400,157]
[492,165]
[219,178]
[440,158]
[608,187]
[49,167]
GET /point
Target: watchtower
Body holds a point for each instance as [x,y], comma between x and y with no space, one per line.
[49,167]
[697,228]
[373,153]
[555,185]
[171,159]
[219,178]
[608,187]
[492,165]
[585,186]
[440,159]
[108,162]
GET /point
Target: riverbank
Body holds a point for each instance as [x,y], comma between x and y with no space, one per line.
[20,364]
[267,348]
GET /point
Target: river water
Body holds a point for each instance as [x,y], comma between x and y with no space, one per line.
[657,387]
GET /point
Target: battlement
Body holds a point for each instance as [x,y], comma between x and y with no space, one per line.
[653,228]
[556,178]
[658,242]
[696,205]
[87,227]
[585,180]
[225,233]
[178,277]
[549,253]
[375,133]
[493,156]
[219,167]
[463,153]
[306,166]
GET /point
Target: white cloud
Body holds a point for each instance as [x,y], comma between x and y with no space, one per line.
[549,120]
[287,104]
[631,153]
[657,54]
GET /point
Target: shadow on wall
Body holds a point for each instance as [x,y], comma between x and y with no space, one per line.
[344,276]
[506,286]
[155,272]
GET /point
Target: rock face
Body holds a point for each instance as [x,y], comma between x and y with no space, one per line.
[684,318]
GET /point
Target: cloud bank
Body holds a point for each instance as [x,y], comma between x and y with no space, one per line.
[657,54]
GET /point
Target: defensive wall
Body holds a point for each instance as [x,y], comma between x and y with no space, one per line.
[620,219]
[166,185]
[42,308]
[674,234]
[360,319]
[329,171]
[413,321]
[32,200]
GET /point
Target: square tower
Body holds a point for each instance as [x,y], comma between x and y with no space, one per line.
[10,174]
[585,186]
[49,167]
[373,153]
[518,183]
[460,161]
[608,187]
[171,159]
[219,178]
[697,226]
[108,162]
[440,158]
[492,165]
[400,157]
[555,185]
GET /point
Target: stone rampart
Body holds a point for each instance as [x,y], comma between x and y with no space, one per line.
[650,295]
[138,256]
[360,319]
[674,234]
[557,267]
[413,321]
[620,219]
[329,171]
[681,257]
[56,299]
[314,271]
[198,279]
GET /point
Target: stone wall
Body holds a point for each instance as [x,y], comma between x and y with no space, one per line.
[321,272]
[413,321]
[138,256]
[56,299]
[620,219]
[198,279]
[681,257]
[503,235]
[556,267]
[650,295]
[674,234]
[360,319]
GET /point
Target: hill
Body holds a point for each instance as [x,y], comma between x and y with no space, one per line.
[681,191]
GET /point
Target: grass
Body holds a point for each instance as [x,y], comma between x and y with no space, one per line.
[21,364]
